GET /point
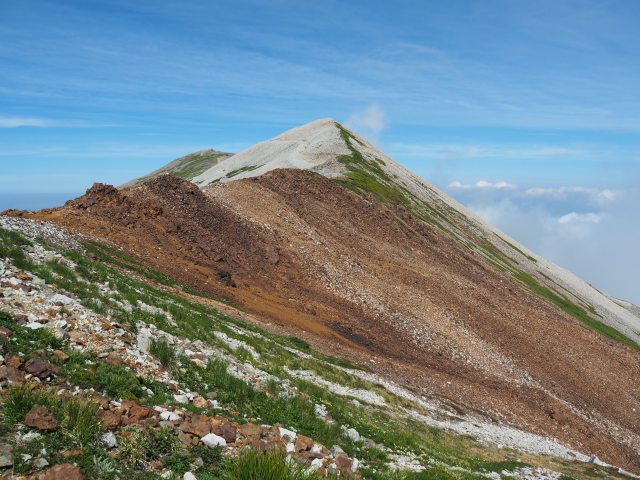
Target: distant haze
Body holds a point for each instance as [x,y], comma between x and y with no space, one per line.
[33,201]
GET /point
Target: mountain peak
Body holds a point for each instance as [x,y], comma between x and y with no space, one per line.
[314,146]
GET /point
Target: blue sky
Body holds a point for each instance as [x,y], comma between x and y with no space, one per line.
[532,96]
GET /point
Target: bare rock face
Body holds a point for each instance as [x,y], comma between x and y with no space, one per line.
[40,418]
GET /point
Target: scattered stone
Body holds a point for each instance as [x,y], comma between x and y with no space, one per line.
[110,440]
[198,426]
[303,443]
[189,476]
[212,440]
[40,463]
[40,418]
[289,435]
[181,398]
[60,355]
[113,359]
[170,416]
[351,433]
[109,420]
[5,333]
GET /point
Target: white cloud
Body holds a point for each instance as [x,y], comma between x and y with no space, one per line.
[595,240]
[598,195]
[482,184]
[574,217]
[371,120]
[461,152]
[15,122]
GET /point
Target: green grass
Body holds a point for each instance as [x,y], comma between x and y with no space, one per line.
[77,418]
[164,352]
[271,465]
[111,255]
[115,381]
[188,167]
[248,168]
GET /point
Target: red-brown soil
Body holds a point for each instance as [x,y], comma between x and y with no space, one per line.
[372,283]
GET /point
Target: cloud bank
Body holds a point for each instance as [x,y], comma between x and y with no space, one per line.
[593,232]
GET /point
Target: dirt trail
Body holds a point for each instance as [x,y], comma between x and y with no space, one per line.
[372,283]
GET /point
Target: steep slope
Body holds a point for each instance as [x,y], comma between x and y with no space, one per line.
[325,147]
[186,167]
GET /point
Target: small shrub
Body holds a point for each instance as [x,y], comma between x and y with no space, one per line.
[161,443]
[299,343]
[164,352]
[18,401]
[80,421]
[134,448]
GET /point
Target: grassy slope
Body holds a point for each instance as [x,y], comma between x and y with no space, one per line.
[187,167]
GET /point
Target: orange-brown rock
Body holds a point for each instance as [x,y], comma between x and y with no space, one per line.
[109,420]
[65,471]
[199,426]
[39,417]
[303,443]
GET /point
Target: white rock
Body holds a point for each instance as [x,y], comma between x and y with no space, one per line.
[143,339]
[315,465]
[352,433]
[181,398]
[34,325]
[212,440]
[288,434]
[40,463]
[321,410]
[58,297]
[170,416]
[29,436]
[189,476]
[355,463]
[316,448]
[110,440]
[290,448]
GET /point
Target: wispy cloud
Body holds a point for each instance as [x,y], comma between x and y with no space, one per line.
[574,217]
[560,193]
[16,122]
[371,120]
[449,151]
[481,185]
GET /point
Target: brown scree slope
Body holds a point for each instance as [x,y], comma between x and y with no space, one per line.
[372,283]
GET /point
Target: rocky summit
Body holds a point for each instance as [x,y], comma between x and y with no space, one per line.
[309,307]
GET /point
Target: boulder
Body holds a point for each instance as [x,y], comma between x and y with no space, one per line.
[40,418]
[212,440]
